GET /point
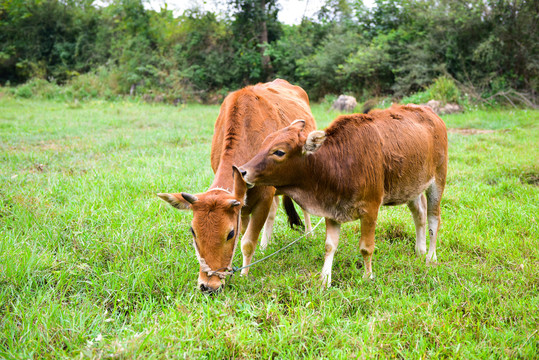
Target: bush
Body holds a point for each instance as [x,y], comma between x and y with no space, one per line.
[445,90]
[37,88]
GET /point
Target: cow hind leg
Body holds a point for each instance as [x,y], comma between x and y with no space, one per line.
[268,225]
[333,229]
[434,198]
[418,207]
[250,238]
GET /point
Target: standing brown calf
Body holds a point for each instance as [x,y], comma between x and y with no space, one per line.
[360,162]
[247,116]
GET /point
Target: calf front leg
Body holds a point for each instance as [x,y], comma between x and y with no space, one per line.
[333,229]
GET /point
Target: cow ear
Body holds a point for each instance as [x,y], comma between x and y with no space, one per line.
[181,201]
[298,125]
[240,186]
[315,139]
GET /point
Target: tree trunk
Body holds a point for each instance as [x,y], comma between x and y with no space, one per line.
[266,61]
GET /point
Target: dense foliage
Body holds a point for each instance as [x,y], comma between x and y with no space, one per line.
[396,48]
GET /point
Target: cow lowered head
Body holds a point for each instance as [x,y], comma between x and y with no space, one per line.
[215,229]
[289,146]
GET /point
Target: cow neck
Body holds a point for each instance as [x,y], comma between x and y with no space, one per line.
[224,178]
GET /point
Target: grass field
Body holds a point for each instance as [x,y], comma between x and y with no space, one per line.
[94,265]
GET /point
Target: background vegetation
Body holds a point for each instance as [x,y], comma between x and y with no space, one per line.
[94,265]
[489,48]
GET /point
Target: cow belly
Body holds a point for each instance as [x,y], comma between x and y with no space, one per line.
[403,194]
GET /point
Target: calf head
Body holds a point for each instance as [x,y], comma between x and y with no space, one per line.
[282,155]
[215,228]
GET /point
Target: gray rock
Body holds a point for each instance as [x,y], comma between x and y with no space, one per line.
[440,109]
[344,103]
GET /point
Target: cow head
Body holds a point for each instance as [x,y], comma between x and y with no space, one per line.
[215,228]
[282,154]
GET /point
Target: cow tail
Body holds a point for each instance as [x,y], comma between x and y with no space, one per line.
[293,218]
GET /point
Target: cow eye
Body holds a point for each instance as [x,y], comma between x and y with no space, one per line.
[230,235]
[192,232]
[279,153]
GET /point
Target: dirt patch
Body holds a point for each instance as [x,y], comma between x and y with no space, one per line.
[471,131]
[393,232]
[530,178]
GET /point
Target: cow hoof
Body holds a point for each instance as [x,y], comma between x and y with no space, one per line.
[420,251]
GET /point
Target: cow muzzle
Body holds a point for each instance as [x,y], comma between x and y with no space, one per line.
[210,290]
[210,285]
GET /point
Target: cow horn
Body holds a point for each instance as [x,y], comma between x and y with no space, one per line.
[189,198]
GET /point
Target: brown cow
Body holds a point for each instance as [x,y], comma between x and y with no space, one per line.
[360,162]
[247,116]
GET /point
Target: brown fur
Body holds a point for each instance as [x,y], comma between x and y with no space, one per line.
[387,157]
[246,117]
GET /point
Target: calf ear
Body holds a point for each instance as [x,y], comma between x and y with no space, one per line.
[178,200]
[240,186]
[314,141]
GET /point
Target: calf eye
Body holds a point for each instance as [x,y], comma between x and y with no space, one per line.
[230,235]
[192,232]
[279,153]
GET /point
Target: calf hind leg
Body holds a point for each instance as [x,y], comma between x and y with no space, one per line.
[366,243]
[434,198]
[418,207]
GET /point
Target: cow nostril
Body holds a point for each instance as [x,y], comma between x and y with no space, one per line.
[243,172]
[209,290]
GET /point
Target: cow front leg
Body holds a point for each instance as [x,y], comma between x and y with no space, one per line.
[308,224]
[333,229]
[268,225]
[418,208]
[250,238]
[366,242]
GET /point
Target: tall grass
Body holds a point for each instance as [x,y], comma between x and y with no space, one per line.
[93,265]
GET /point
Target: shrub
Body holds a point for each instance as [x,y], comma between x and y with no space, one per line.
[445,90]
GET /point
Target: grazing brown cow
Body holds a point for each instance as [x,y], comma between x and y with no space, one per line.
[247,116]
[360,162]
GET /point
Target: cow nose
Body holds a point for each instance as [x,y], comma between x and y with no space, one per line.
[243,172]
[207,289]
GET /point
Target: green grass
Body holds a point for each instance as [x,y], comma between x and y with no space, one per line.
[94,265]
